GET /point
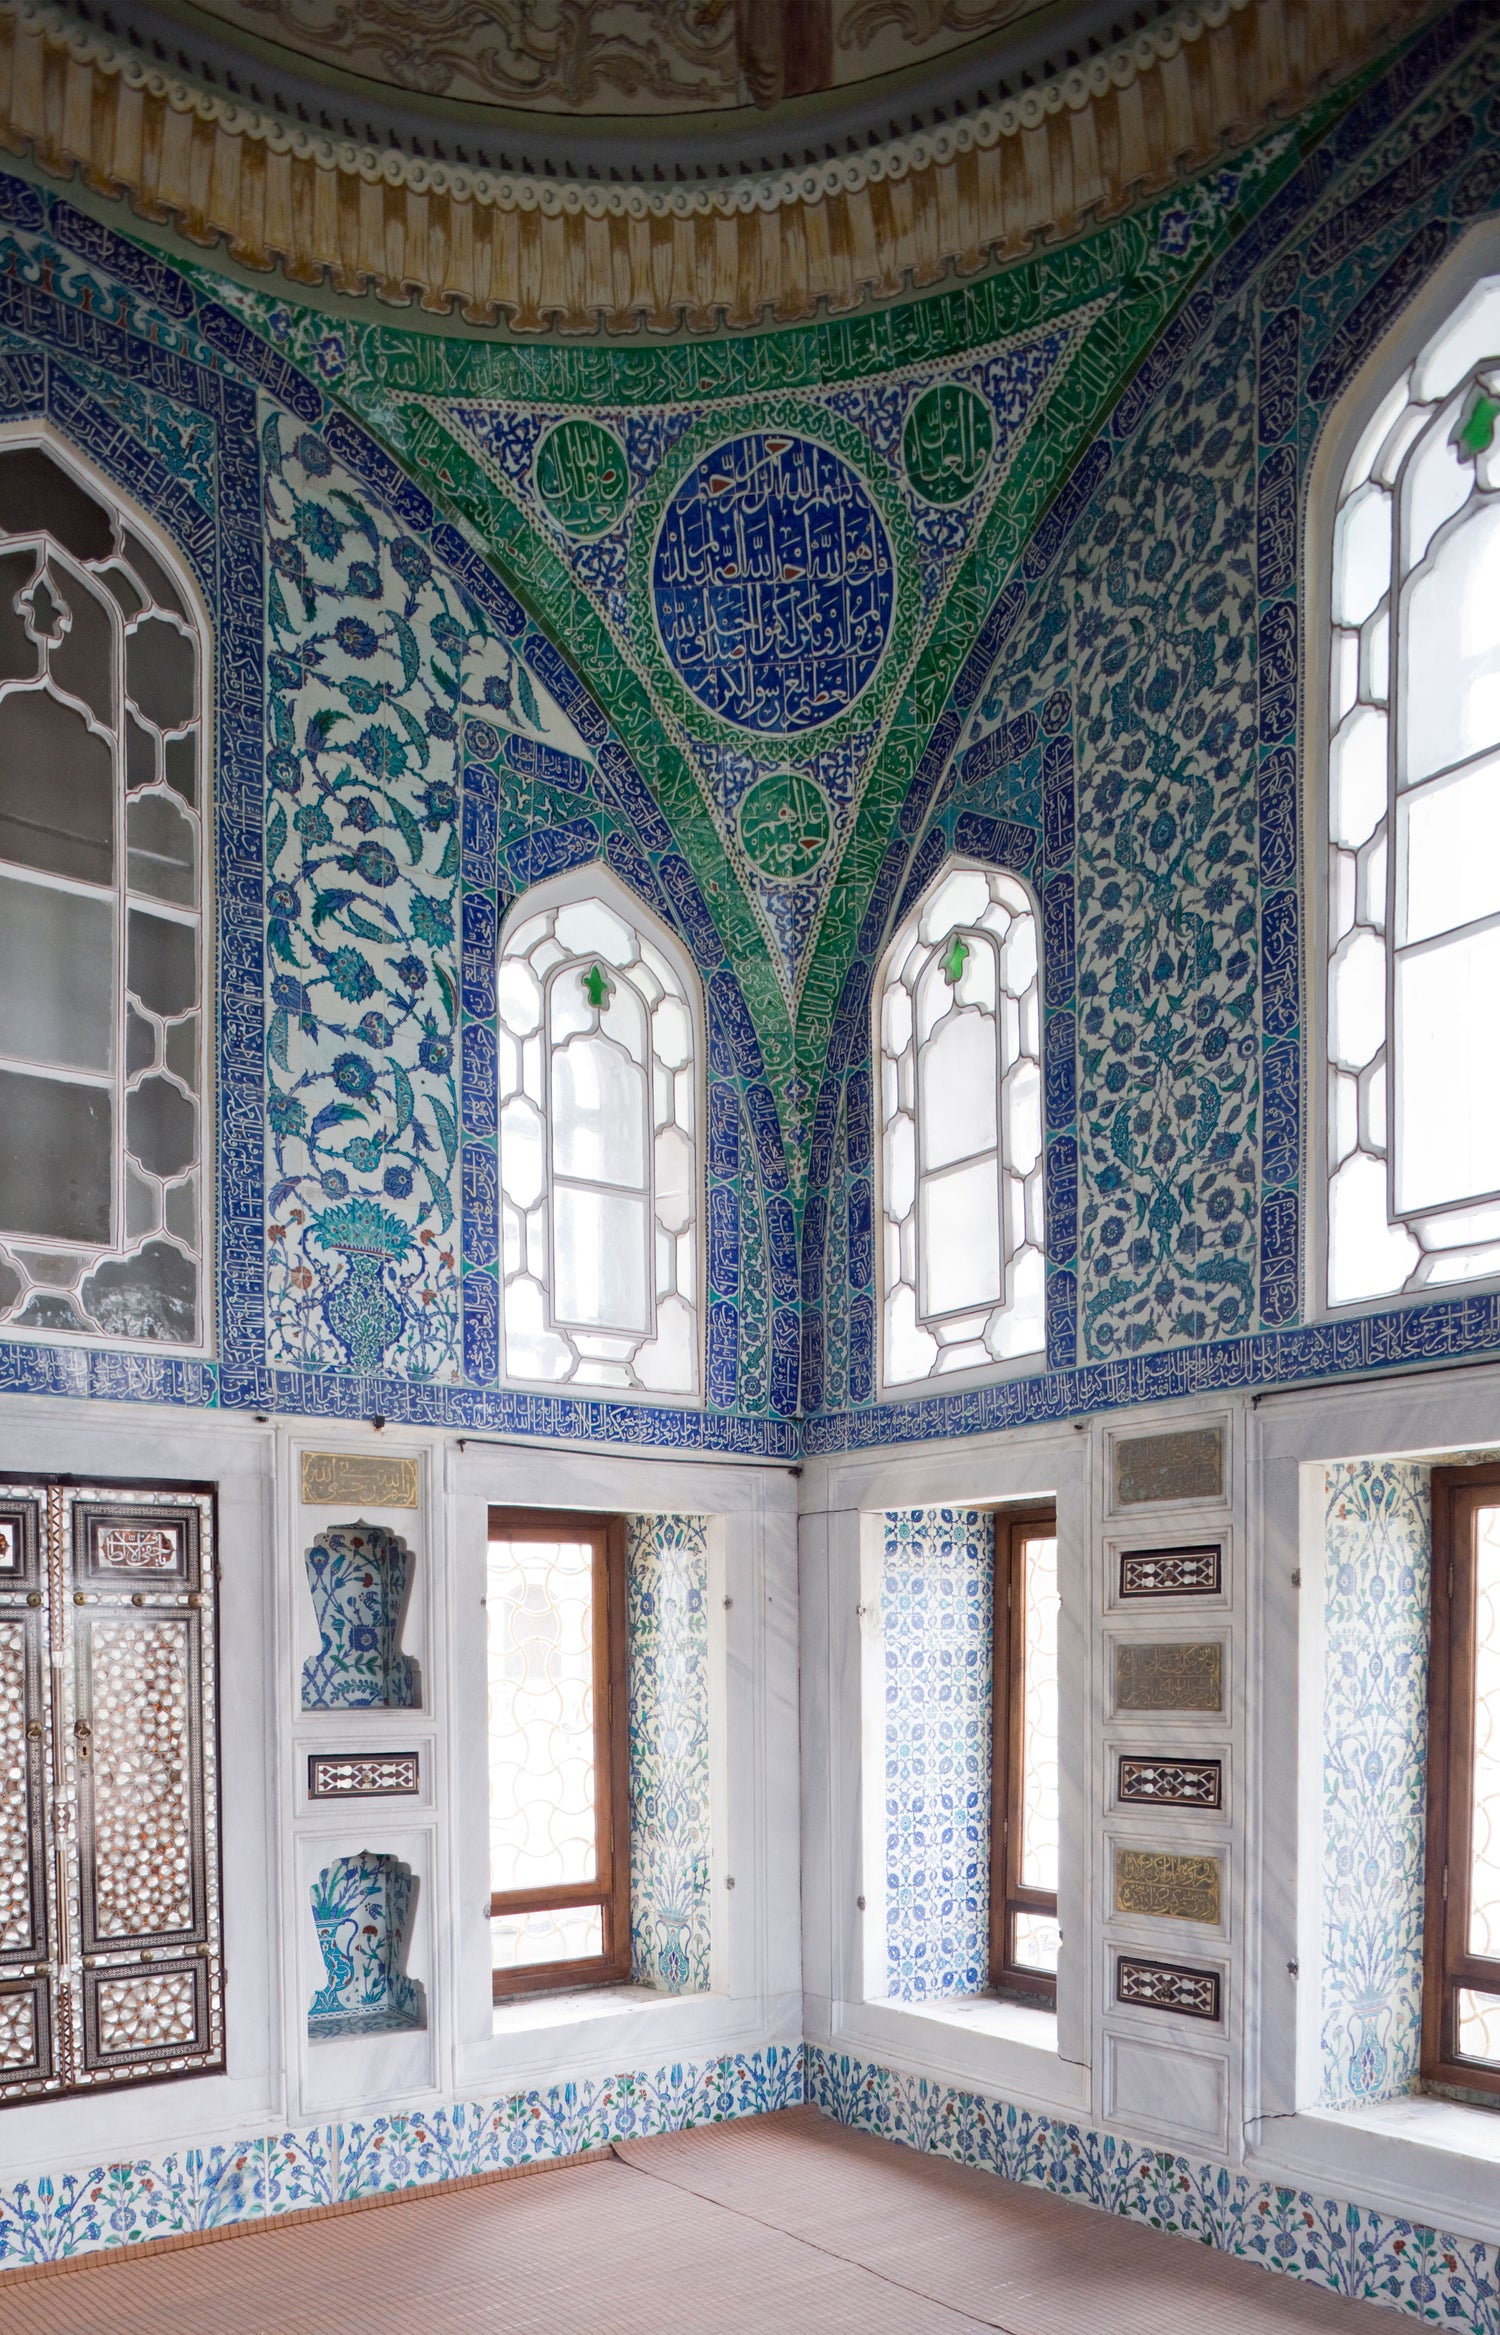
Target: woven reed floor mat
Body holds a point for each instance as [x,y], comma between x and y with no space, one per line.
[778,2225]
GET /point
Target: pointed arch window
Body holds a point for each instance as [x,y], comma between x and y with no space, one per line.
[1413,968]
[958,1040]
[599,1115]
[103,651]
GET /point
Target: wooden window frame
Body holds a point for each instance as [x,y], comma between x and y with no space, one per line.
[1008,1895]
[1447,1963]
[611,1887]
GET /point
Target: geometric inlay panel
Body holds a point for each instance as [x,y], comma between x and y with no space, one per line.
[1196,1572]
[1166,1986]
[1171,1783]
[361,1775]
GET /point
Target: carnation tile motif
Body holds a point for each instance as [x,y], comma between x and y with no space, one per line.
[1377,1567]
[937,1593]
[671,1906]
[359,1577]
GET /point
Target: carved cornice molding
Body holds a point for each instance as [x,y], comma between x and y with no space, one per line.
[564,256]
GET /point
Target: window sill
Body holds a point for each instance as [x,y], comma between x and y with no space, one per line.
[1456,2127]
[983,2014]
[525,2014]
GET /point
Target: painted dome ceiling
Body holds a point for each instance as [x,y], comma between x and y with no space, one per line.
[612,83]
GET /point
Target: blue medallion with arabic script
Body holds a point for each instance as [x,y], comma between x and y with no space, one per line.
[774,583]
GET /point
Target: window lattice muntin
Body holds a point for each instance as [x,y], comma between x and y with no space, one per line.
[102,791]
[599,1178]
[959,1045]
[110,1946]
[1414,826]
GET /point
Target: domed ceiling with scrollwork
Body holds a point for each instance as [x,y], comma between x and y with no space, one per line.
[603,57]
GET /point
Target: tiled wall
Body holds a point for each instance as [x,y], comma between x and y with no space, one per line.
[1350,2249]
[937,1586]
[671,1920]
[1376,1601]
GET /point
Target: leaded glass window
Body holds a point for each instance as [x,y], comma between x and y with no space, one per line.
[599,1178]
[1413,1138]
[111,1964]
[958,1040]
[101,912]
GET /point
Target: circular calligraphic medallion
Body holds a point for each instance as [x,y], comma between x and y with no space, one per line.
[773,583]
[582,476]
[785,825]
[948,439]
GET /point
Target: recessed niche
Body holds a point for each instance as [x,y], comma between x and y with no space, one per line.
[359,1576]
[361,1909]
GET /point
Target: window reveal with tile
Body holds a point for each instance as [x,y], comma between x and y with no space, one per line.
[1024,1934]
[958,1041]
[558,1751]
[1461,1957]
[102,801]
[1414,825]
[599,1177]
[111,1966]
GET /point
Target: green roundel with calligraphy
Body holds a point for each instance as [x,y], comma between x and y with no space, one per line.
[948,440]
[582,476]
[785,825]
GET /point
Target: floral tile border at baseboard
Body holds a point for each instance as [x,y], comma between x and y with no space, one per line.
[1352,2249]
[58,2216]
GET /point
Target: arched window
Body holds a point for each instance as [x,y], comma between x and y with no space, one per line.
[1413,1144]
[102,800]
[599,1182]
[958,1040]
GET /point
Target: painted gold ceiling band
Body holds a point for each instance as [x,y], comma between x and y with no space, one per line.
[547,256]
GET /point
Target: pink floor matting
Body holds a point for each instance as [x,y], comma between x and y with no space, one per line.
[777,2224]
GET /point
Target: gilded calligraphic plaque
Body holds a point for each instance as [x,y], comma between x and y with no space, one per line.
[340,1479]
[947,442]
[1194,1572]
[1166,1986]
[1170,1676]
[773,583]
[1170,1783]
[582,476]
[1187,1464]
[785,825]
[1172,1888]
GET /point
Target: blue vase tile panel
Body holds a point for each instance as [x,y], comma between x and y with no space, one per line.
[359,1577]
[361,1909]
